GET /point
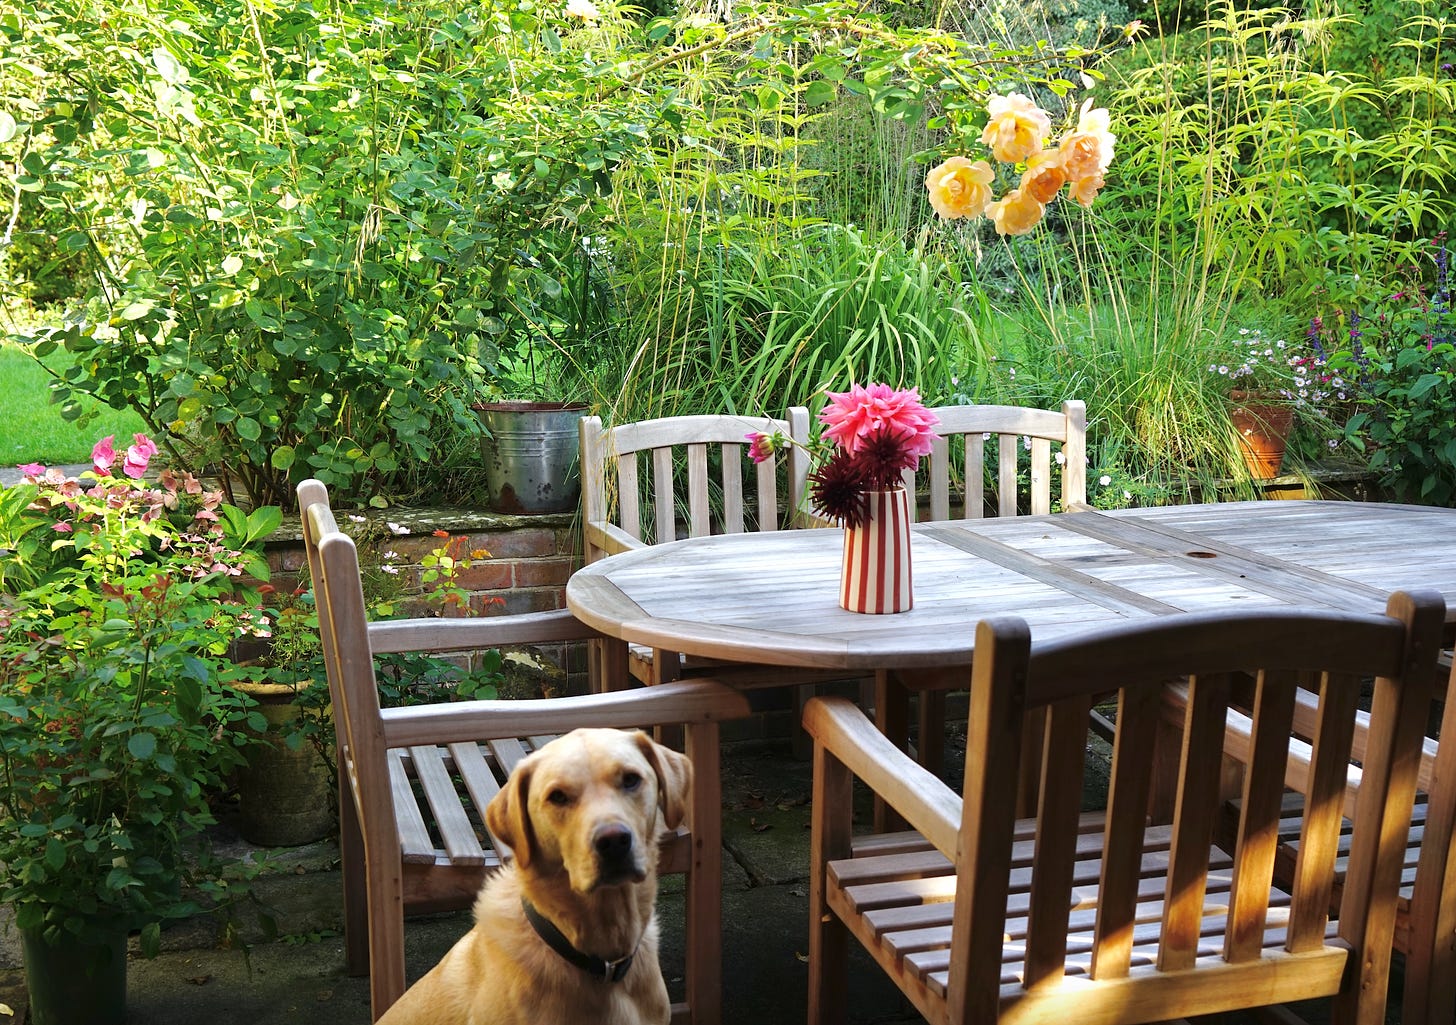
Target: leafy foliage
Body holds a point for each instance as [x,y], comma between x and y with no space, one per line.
[117,713]
[1400,349]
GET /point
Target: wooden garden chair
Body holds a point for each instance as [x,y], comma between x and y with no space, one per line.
[1063,918]
[414,781]
[1425,924]
[1023,440]
[675,455]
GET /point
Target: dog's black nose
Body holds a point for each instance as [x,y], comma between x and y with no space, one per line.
[613,842]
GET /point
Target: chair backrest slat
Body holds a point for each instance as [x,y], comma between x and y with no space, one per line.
[1059,809]
[1041,476]
[694,442]
[768,504]
[1314,881]
[628,489]
[732,489]
[664,497]
[1257,841]
[1014,427]
[1139,713]
[698,525]
[1193,821]
[1006,475]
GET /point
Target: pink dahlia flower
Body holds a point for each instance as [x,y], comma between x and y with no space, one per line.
[853,418]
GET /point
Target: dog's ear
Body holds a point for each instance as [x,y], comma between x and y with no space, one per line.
[674,779]
[508,815]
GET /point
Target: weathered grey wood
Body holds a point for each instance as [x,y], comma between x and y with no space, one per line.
[773,598]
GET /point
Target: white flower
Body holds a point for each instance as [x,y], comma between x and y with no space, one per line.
[1105,479]
[1127,494]
[582,9]
[395,528]
[1223,370]
[356,519]
[1061,459]
[390,556]
[391,570]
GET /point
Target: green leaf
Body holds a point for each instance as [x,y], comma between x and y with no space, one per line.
[819,93]
[7,127]
[282,457]
[55,854]
[142,745]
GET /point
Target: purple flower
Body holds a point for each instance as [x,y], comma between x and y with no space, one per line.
[837,491]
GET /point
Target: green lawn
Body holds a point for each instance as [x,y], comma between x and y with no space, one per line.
[31,429]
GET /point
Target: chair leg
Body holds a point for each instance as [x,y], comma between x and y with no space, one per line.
[892,716]
[931,742]
[351,868]
[386,932]
[828,938]
[703,896]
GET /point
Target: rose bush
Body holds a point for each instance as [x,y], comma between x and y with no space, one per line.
[1016,133]
[118,716]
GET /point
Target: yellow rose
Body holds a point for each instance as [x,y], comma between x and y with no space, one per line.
[1043,176]
[959,188]
[1016,128]
[1015,213]
[1084,190]
[1088,150]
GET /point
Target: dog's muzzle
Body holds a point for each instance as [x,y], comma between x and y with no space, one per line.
[617,855]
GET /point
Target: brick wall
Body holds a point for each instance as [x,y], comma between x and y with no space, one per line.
[529,561]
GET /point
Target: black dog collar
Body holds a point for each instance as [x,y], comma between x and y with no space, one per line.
[599,967]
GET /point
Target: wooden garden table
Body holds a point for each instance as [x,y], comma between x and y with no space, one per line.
[772,598]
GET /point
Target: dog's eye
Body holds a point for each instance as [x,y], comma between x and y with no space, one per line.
[631,781]
[560,798]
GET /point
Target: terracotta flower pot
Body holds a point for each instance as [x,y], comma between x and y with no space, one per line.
[1263,431]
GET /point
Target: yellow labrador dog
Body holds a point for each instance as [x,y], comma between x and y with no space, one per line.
[566,932]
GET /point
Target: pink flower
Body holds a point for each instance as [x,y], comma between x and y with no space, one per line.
[31,469]
[138,455]
[761,447]
[853,418]
[103,455]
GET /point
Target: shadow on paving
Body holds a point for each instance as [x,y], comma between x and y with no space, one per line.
[765,903]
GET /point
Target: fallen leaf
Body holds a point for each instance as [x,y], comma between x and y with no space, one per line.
[759,827]
[802,957]
[200,980]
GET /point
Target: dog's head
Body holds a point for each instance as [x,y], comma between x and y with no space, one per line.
[589,802]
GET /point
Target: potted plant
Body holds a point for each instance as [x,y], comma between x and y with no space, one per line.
[556,315]
[1268,380]
[119,598]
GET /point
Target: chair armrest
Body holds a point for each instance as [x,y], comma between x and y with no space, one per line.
[393,635]
[609,538]
[687,701]
[920,796]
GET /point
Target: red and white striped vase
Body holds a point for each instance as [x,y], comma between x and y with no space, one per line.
[876,573]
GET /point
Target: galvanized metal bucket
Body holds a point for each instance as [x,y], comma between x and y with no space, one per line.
[532,456]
